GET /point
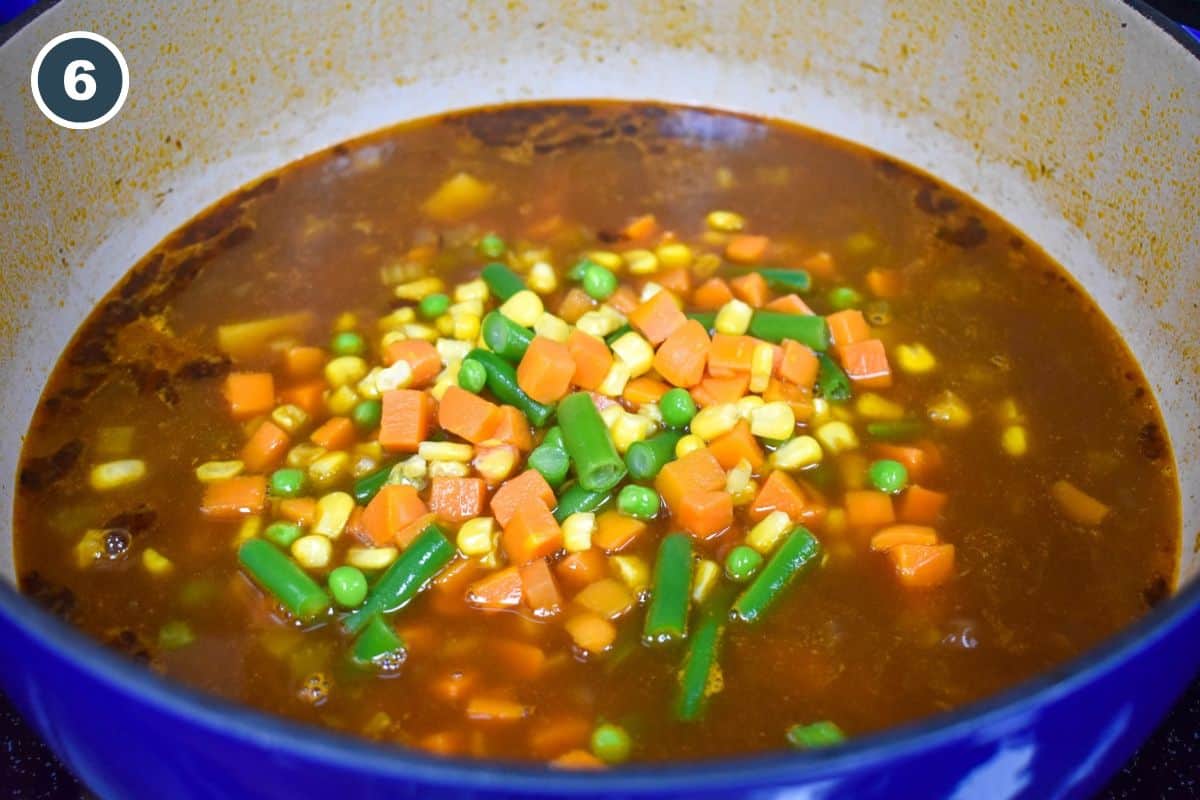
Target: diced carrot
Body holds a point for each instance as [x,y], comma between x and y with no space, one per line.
[658,317]
[730,355]
[789,304]
[847,327]
[779,492]
[408,534]
[249,393]
[467,415]
[715,391]
[496,591]
[640,228]
[745,249]
[799,364]
[457,499]
[528,487]
[798,397]
[698,469]
[1078,505]
[446,743]
[420,355]
[920,505]
[422,638]
[303,362]
[336,434]
[921,566]
[454,685]
[513,429]
[496,709]
[390,511]
[885,282]
[681,357]
[624,300]
[519,660]
[575,303]
[591,357]
[448,592]
[866,508]
[539,588]
[609,598]
[265,449]
[355,526]
[545,227]
[677,281]
[821,264]
[751,289]
[232,498]
[712,294]
[309,396]
[581,569]
[705,513]
[614,531]
[894,535]
[739,443]
[559,736]
[922,459]
[300,510]
[545,370]
[643,390]
[591,632]
[867,364]
[531,533]
[577,759]
[405,420]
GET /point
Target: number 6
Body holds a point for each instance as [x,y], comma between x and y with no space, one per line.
[77,73]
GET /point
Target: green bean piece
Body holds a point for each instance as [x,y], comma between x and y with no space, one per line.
[367,415]
[378,643]
[895,430]
[832,380]
[501,280]
[798,551]
[667,615]
[639,502]
[506,338]
[366,487]
[472,376]
[554,438]
[348,586]
[791,280]
[552,462]
[434,305]
[492,246]
[618,333]
[283,578]
[706,318]
[348,343]
[701,658]
[775,326]
[645,458]
[502,380]
[818,734]
[598,466]
[576,498]
[287,482]
[283,533]
[405,578]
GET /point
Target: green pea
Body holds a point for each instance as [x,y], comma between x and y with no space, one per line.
[552,462]
[742,563]
[576,272]
[639,502]
[554,438]
[818,734]
[367,414]
[287,482]
[611,743]
[472,375]
[433,306]
[283,533]
[677,407]
[598,282]
[348,586]
[492,246]
[174,635]
[888,476]
[844,297]
[348,343]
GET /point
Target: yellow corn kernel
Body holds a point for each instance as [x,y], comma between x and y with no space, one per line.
[369,450]
[915,359]
[312,551]
[748,405]
[652,412]
[773,421]
[797,453]
[419,289]
[737,481]
[448,469]
[688,444]
[769,531]
[822,412]
[341,401]
[649,290]
[89,548]
[333,512]
[714,421]
[704,579]
[396,319]
[329,469]
[614,382]
[371,558]
[635,352]
[733,318]
[440,387]
[472,290]
[304,454]
[949,410]
[630,428]
[876,406]
[391,336]
[452,349]
[600,322]
[156,563]
[466,327]
[674,255]
[417,330]
[410,472]
[724,178]
[835,521]
[397,376]
[541,278]
[577,530]
[444,325]
[725,221]
[1014,440]
[606,258]
[361,465]
[633,572]
[368,388]
[117,474]
[837,437]
[345,370]
[523,308]
[1009,412]
[472,307]
[290,418]
[553,328]
[211,471]
[345,321]
[762,364]
[641,262]
[445,451]
[496,463]
[610,414]
[249,529]
[706,264]
[114,440]
[477,537]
